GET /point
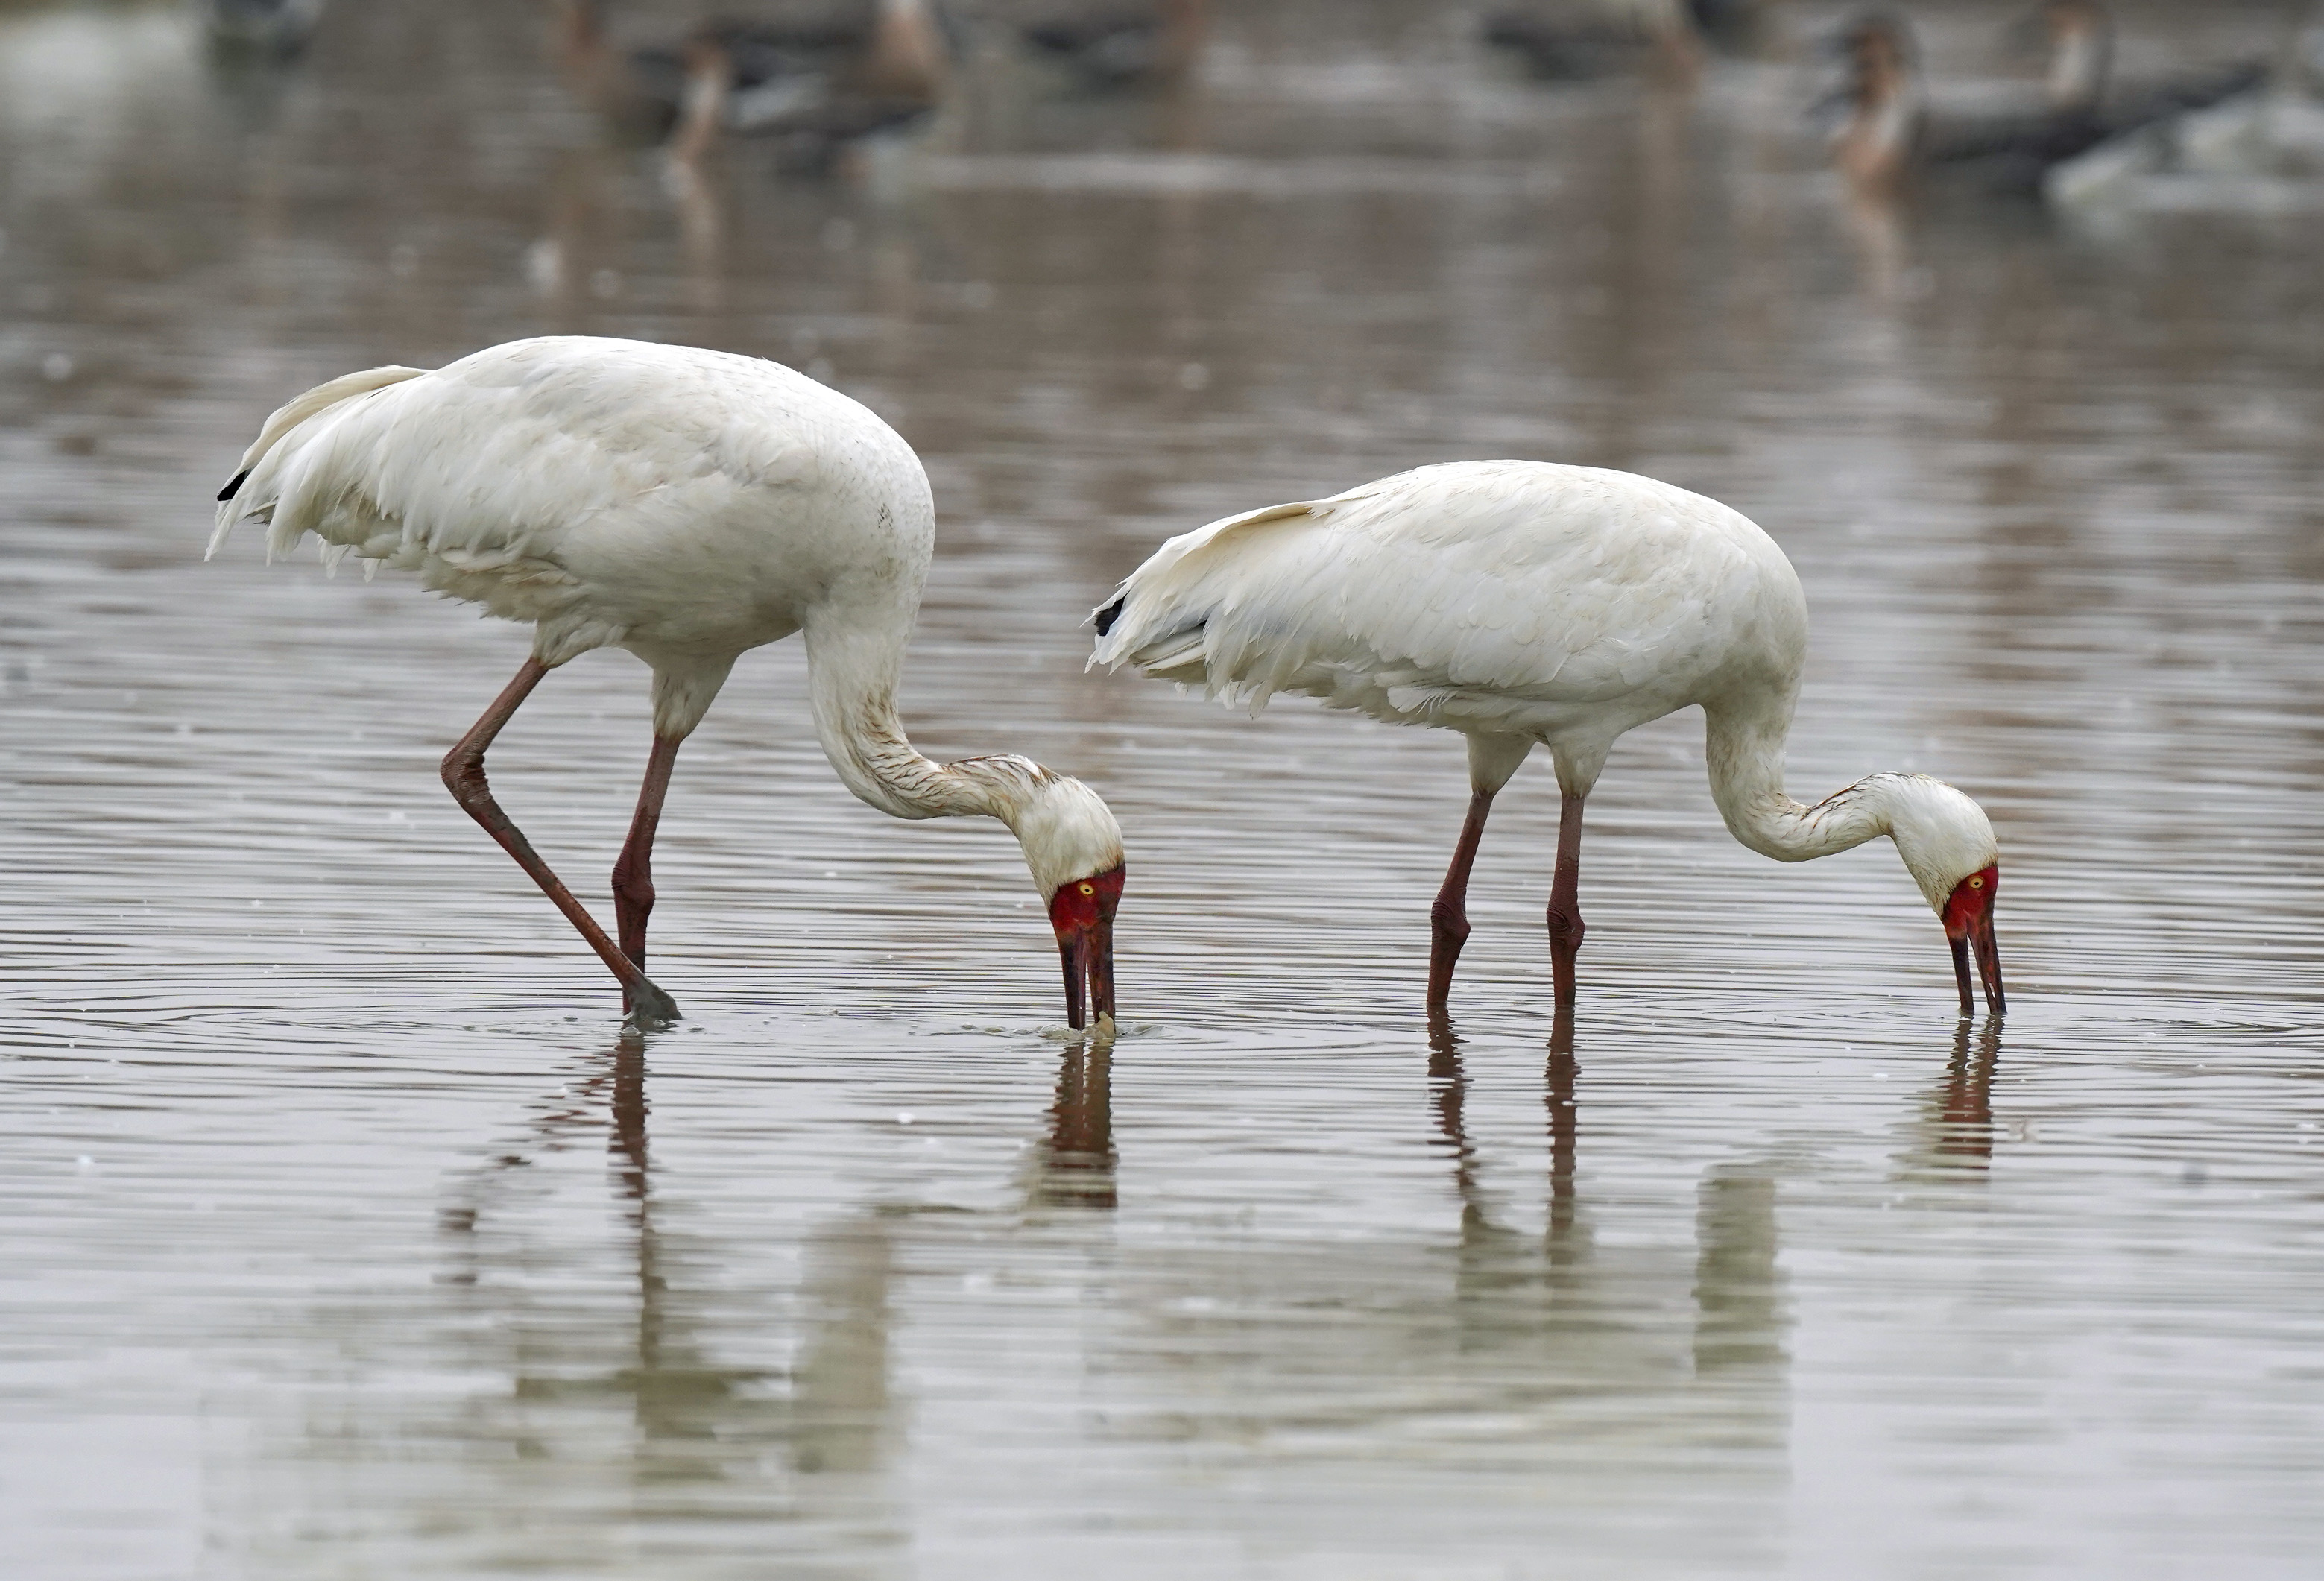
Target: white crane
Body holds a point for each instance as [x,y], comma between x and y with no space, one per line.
[1523,604]
[687,505]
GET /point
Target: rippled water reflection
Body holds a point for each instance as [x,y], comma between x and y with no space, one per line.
[347,1237]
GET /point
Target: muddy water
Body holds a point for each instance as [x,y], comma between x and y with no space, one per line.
[347,1237]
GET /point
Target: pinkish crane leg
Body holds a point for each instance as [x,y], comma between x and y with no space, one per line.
[1448,917]
[463,776]
[633,891]
[1565,927]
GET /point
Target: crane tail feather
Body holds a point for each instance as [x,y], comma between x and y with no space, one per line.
[258,486]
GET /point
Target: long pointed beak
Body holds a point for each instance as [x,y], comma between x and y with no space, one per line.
[1968,917]
[1977,938]
[1988,961]
[1087,952]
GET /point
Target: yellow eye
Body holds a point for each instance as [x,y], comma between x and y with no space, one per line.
[1976,883]
[1089,888]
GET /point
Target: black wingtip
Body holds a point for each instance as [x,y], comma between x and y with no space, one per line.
[226,493]
[1106,617]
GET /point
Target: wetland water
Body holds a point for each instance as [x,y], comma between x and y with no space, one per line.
[347,1237]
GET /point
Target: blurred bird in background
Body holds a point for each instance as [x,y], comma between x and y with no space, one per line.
[813,82]
[1576,41]
[275,28]
[1891,123]
[2261,146]
[1111,44]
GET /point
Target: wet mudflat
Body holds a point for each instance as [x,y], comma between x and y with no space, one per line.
[347,1236]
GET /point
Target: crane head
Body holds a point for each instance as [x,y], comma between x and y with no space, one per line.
[1082,913]
[1948,845]
[1073,845]
[1968,929]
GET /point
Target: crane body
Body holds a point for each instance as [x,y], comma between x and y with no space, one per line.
[1523,604]
[685,505]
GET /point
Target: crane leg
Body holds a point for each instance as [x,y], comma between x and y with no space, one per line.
[633,891]
[463,776]
[1448,918]
[1565,927]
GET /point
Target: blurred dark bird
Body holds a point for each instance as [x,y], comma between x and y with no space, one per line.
[1579,40]
[279,28]
[1117,45]
[813,82]
[1891,124]
[2261,147]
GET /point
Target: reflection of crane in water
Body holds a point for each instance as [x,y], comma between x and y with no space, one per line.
[1552,1347]
[1076,1163]
[1954,1131]
[1737,1288]
[698,1421]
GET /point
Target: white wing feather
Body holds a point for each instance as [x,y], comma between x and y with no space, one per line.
[586,485]
[1488,595]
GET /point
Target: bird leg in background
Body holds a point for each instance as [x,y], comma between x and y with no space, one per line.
[463,776]
[1448,918]
[633,891]
[1565,901]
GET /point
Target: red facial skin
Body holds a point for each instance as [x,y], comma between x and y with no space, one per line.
[1968,928]
[1082,913]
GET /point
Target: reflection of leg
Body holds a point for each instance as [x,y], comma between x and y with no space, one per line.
[633,891]
[1965,1127]
[463,776]
[1079,1163]
[1738,1285]
[629,1138]
[1564,1134]
[1448,918]
[1448,1086]
[1564,901]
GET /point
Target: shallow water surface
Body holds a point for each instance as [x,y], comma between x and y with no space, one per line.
[348,1235]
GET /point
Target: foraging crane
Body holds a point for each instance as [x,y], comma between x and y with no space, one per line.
[687,506]
[1528,605]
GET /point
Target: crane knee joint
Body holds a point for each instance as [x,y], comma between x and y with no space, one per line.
[464,775]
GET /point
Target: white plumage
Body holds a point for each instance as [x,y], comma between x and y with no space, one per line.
[687,506]
[1524,604]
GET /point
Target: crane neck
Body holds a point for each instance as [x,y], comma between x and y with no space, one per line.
[1744,751]
[853,671]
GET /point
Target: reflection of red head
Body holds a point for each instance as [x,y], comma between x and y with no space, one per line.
[1082,913]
